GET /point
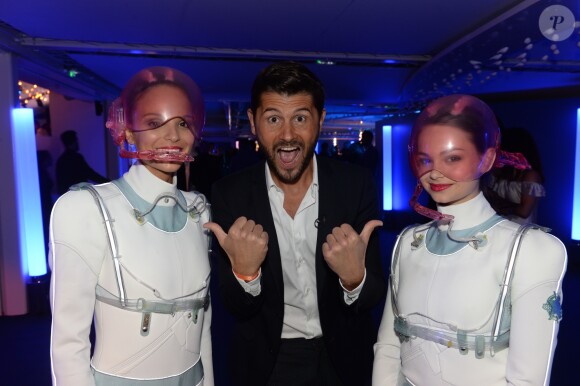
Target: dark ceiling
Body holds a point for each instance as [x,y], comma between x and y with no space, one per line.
[376,57]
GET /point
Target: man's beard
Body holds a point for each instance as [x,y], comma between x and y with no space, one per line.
[289,176]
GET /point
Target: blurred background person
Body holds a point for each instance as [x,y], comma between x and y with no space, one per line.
[45,184]
[71,166]
[370,155]
[515,193]
[325,150]
[245,156]
[207,167]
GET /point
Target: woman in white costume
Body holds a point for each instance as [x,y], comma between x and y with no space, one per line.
[133,252]
[473,299]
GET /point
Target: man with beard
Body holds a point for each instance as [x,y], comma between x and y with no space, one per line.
[299,267]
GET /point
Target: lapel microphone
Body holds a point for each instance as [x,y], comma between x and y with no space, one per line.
[319,220]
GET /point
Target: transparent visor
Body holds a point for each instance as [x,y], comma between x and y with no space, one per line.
[456,137]
[455,159]
[149,101]
[164,123]
[443,152]
[163,126]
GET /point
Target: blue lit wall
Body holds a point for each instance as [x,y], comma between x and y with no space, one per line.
[29,211]
[403,180]
[398,182]
[576,197]
[387,168]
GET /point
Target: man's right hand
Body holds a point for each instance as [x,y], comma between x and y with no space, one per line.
[246,244]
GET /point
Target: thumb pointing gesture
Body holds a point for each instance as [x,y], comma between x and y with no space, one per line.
[217,231]
[344,252]
[246,244]
[368,229]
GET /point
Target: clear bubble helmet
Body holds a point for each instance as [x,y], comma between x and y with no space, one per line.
[427,148]
[436,134]
[121,111]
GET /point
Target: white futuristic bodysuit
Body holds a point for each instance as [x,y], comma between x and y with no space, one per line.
[447,298]
[163,261]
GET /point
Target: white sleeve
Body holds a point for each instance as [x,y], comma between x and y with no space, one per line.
[253,287]
[387,362]
[352,296]
[536,299]
[206,349]
[76,253]
[206,341]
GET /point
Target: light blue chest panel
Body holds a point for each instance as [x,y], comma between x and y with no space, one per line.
[167,218]
[461,339]
[439,242]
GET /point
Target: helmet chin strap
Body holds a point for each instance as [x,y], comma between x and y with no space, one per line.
[442,219]
[157,155]
[422,210]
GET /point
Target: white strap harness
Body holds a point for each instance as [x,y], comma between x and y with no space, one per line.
[461,339]
[146,307]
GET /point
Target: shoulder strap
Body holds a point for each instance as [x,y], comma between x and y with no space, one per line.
[393,281]
[507,279]
[108,222]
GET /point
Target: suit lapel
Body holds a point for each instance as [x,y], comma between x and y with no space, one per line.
[326,221]
[262,214]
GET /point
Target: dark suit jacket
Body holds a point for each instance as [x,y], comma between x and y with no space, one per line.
[346,195]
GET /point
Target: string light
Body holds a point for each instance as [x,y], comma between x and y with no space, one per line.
[31,92]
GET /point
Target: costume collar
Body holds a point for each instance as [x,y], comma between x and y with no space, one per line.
[468,214]
[149,187]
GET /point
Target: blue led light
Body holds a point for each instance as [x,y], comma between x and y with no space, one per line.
[387,168]
[576,203]
[32,244]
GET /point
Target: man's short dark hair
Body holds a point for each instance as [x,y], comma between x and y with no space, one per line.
[287,78]
[68,137]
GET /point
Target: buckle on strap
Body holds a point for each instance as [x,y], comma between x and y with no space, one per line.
[154,306]
[143,305]
[460,340]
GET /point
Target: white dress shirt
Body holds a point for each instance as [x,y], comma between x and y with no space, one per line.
[297,242]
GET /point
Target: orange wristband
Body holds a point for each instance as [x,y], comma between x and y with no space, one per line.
[247,279]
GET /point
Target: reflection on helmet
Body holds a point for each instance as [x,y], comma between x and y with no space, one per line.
[444,123]
[121,110]
[465,113]
[437,133]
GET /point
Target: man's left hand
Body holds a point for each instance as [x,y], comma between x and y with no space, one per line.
[344,251]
